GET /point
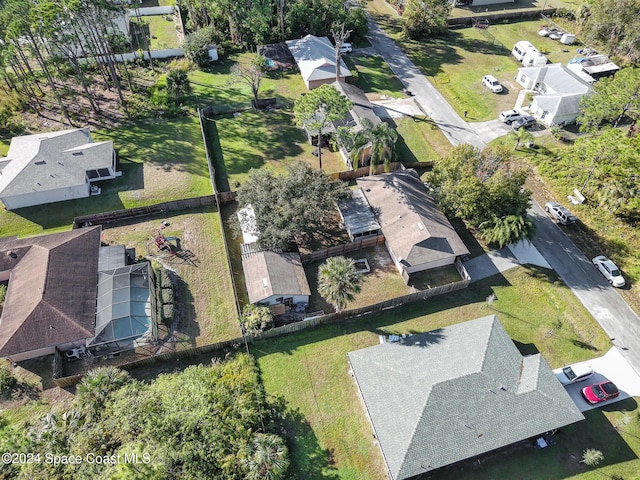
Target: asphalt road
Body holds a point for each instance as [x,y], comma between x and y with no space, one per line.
[615,316]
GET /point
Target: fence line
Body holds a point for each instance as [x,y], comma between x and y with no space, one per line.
[340,249]
[365,171]
[128,213]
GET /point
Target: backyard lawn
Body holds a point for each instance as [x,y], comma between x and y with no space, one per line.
[329,432]
[160,161]
[208,312]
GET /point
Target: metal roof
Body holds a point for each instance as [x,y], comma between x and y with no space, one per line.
[357,215]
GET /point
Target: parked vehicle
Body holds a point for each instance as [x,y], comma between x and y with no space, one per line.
[556,35]
[561,215]
[573,374]
[525,121]
[521,48]
[600,392]
[509,116]
[492,83]
[346,48]
[609,270]
[545,31]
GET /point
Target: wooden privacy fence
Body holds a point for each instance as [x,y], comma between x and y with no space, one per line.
[128,213]
[279,331]
[340,249]
[365,171]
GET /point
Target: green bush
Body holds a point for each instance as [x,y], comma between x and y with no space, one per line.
[166,294]
[256,318]
[167,313]
[7,380]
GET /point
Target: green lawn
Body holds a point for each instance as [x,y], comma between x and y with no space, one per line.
[218,88]
[330,435]
[160,161]
[162,31]
[4,146]
[455,64]
[374,76]
[419,140]
[261,139]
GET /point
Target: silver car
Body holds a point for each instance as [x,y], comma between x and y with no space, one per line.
[609,270]
[560,213]
[573,373]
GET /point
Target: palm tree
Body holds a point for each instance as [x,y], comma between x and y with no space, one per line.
[521,136]
[177,85]
[338,281]
[507,229]
[95,387]
[377,142]
[265,458]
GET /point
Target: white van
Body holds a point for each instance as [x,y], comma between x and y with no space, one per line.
[534,59]
[346,48]
[521,48]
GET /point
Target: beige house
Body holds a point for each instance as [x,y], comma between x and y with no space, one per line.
[418,235]
[316,59]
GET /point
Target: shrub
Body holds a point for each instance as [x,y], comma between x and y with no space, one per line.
[196,46]
[7,380]
[256,318]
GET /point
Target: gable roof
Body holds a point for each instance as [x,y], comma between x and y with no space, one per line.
[558,105]
[270,273]
[51,298]
[362,107]
[53,160]
[315,57]
[557,79]
[443,396]
[416,230]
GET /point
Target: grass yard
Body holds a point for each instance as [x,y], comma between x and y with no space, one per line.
[456,63]
[261,139]
[162,32]
[419,140]
[160,162]
[4,146]
[220,89]
[374,76]
[330,435]
[205,289]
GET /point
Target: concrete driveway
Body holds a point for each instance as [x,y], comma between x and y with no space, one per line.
[612,366]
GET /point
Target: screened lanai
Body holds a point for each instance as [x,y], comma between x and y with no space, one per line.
[124,315]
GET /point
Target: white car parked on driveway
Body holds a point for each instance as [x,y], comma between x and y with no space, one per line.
[573,373]
[609,270]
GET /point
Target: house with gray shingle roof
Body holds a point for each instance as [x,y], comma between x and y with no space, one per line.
[316,59]
[418,235]
[274,278]
[52,167]
[455,393]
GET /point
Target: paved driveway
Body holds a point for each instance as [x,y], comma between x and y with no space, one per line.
[612,366]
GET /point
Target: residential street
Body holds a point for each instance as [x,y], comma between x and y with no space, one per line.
[603,301]
[605,304]
[454,128]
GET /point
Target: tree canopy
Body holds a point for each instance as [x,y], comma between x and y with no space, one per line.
[317,109]
[338,281]
[289,207]
[485,191]
[424,18]
[206,422]
[613,99]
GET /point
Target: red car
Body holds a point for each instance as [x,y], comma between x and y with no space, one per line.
[600,392]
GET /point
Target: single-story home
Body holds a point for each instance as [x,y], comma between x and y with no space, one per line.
[316,59]
[418,235]
[55,166]
[557,92]
[357,217]
[455,393]
[58,296]
[276,278]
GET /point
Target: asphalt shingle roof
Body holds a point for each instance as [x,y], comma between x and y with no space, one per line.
[415,228]
[315,57]
[443,396]
[271,273]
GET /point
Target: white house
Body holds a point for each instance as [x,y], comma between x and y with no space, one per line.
[557,93]
[418,235]
[276,278]
[316,59]
[55,166]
